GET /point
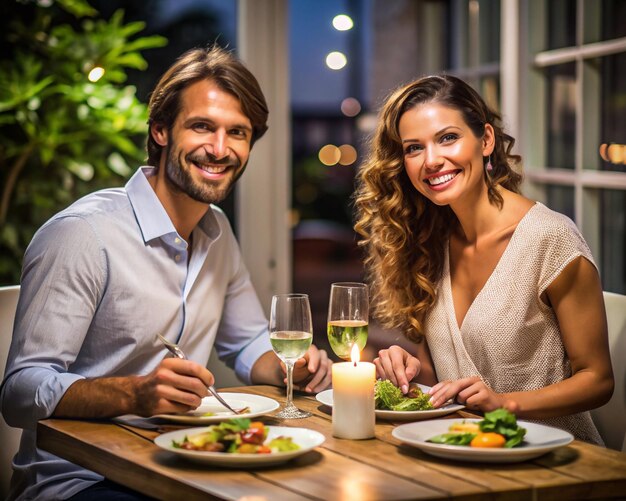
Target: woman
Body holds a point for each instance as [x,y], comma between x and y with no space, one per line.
[501,294]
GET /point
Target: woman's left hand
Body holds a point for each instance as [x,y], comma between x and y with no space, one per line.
[471,392]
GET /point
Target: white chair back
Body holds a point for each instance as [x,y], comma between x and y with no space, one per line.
[610,419]
[9,437]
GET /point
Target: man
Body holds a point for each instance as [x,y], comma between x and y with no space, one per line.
[104,276]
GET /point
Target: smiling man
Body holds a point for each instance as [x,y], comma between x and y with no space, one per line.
[104,276]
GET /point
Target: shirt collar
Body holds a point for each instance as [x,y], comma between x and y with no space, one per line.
[151,215]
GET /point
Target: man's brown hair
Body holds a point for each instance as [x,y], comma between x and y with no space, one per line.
[217,65]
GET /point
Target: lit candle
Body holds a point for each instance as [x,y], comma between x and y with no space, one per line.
[353,398]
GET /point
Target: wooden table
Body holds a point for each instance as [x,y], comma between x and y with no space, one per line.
[376,469]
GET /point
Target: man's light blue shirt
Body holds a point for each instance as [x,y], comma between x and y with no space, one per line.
[99,281]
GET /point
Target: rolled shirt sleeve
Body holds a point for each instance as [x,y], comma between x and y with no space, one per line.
[58,298]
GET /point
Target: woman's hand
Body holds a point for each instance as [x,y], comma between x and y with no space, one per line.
[397,365]
[471,392]
[313,372]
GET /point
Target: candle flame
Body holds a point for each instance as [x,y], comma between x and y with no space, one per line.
[355,356]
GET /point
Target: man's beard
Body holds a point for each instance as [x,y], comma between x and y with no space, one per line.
[206,192]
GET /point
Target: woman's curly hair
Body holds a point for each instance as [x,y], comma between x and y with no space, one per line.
[404,234]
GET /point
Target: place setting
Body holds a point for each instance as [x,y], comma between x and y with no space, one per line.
[357,400]
[273,445]
[236,441]
[348,321]
[497,438]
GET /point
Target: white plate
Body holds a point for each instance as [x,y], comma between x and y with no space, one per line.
[326,397]
[539,440]
[305,438]
[258,406]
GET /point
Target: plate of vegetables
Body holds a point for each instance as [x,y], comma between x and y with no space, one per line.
[240,443]
[498,438]
[391,404]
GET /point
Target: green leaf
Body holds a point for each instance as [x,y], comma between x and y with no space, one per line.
[151,42]
[79,8]
[81,170]
[119,165]
[505,423]
[386,394]
[124,144]
[24,93]
[452,438]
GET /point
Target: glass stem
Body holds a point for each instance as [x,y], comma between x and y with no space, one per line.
[289,383]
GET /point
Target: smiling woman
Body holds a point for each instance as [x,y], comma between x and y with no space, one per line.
[430,131]
[489,283]
[442,156]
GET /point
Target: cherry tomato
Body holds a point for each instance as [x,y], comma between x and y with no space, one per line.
[488,439]
[255,434]
[263,449]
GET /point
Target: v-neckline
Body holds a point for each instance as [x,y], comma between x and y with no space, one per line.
[448,274]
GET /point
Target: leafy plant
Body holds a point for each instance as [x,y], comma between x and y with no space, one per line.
[69,124]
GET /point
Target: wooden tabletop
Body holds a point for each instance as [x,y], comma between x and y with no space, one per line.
[375,469]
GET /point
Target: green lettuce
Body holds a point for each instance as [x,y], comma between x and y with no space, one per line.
[388,396]
[505,423]
[452,438]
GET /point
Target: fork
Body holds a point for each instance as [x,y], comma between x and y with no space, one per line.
[175,350]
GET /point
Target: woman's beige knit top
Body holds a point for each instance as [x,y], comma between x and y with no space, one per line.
[509,337]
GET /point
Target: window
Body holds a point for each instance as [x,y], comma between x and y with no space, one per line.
[577,131]
[474,33]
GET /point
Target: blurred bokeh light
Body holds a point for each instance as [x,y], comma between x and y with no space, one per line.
[348,154]
[329,154]
[350,107]
[95,74]
[336,60]
[342,22]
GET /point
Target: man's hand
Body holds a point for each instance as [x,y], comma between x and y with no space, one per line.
[174,386]
[313,372]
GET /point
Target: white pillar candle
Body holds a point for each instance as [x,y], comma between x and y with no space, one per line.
[353,399]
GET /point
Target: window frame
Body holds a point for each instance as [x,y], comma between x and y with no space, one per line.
[584,178]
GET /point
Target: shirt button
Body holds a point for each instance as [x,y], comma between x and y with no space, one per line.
[177,240]
[177,257]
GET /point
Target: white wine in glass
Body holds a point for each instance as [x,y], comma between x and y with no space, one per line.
[348,317]
[291,334]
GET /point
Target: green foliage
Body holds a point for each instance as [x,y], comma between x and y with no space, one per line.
[62,134]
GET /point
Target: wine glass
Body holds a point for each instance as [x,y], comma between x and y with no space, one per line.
[348,317]
[291,334]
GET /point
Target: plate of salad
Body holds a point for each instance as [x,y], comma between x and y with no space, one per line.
[391,404]
[240,443]
[498,438]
